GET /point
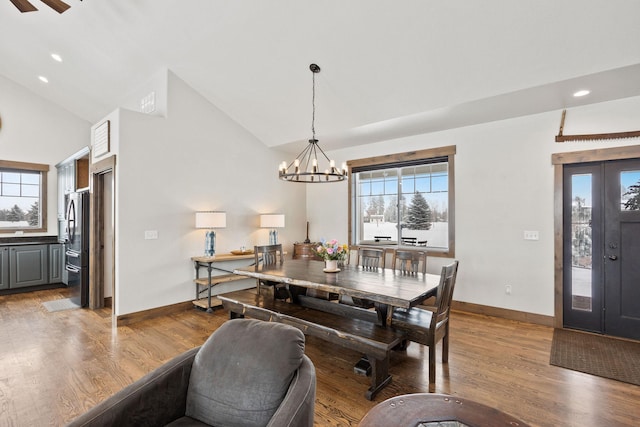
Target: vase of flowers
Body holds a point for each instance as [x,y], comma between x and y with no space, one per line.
[331,252]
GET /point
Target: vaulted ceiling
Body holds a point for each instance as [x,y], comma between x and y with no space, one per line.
[389,68]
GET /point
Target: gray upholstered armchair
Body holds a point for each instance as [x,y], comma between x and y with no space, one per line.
[248,373]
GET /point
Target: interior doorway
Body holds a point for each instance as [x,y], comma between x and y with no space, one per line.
[601,247]
[102,242]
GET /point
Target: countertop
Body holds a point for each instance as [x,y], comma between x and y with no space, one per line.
[28,240]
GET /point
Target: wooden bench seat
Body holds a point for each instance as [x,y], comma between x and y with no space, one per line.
[363,336]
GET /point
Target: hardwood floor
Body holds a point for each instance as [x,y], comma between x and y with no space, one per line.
[54,366]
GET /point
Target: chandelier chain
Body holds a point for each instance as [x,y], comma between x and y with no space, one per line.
[313,105]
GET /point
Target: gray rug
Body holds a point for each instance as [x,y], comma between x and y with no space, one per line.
[60,304]
[596,355]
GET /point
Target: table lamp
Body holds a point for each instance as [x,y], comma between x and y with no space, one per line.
[210,220]
[272,221]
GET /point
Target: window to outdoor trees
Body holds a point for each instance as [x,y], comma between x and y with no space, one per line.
[404,200]
[23,200]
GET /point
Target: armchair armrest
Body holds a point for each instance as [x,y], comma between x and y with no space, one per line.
[155,399]
[297,408]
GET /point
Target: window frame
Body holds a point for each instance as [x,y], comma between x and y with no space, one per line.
[427,155]
[43,169]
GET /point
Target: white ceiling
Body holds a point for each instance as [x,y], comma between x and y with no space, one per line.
[389,68]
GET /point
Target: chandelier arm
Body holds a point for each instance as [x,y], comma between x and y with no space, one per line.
[323,153]
[300,157]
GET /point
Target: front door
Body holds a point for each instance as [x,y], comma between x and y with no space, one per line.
[601,291]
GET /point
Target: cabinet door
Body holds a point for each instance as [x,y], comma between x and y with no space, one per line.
[62,182]
[71,177]
[4,267]
[28,265]
[56,263]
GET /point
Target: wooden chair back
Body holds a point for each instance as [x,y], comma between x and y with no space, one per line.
[371,258]
[410,262]
[268,255]
[444,295]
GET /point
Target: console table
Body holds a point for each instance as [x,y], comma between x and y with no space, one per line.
[206,283]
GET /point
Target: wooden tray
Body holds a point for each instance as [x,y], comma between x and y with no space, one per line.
[245,252]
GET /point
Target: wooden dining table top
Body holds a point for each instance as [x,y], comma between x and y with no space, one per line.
[384,286]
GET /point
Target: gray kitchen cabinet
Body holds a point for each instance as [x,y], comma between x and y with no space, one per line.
[4,267]
[28,265]
[56,262]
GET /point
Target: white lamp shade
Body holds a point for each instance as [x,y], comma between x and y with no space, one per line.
[211,219]
[272,220]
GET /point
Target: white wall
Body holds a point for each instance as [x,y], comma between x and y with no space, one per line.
[36,131]
[196,158]
[504,185]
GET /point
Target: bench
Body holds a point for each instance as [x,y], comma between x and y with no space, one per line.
[358,334]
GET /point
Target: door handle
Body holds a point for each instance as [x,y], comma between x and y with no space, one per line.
[613,257]
[72,269]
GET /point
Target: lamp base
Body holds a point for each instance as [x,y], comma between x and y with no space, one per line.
[273,237]
[210,243]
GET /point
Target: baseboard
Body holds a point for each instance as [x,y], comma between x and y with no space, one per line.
[521,316]
[108,301]
[31,289]
[139,316]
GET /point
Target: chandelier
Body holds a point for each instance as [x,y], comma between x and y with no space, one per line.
[307,167]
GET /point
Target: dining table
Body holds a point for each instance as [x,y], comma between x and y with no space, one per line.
[386,288]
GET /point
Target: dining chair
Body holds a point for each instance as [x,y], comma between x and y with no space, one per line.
[409,262]
[270,255]
[429,326]
[369,259]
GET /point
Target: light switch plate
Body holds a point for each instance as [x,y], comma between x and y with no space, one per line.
[531,235]
[150,234]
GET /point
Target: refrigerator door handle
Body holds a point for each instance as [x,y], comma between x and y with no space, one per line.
[72,254]
[72,269]
[71,221]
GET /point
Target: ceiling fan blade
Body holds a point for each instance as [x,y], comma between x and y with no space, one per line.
[23,6]
[57,5]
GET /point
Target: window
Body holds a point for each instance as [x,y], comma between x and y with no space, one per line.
[404,200]
[23,197]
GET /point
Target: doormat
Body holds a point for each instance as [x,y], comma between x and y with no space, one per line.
[60,304]
[596,355]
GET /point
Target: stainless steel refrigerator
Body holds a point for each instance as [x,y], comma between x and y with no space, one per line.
[77,246]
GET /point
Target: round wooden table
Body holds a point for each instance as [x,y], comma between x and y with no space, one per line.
[428,409]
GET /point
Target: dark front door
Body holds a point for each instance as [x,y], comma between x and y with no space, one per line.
[622,248]
[602,247]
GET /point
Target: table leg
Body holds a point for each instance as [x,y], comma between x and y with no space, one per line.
[209,270]
[383,313]
[379,376]
[197,266]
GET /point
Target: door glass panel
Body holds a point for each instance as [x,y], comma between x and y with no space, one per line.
[581,242]
[630,190]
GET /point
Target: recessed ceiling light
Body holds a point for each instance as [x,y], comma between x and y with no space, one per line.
[582,92]
[56,57]
[43,79]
